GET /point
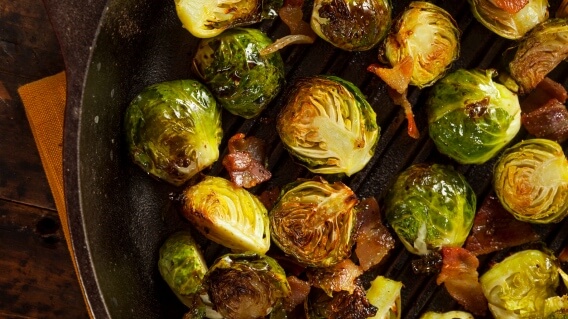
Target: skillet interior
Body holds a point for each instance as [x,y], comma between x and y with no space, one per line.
[126,214]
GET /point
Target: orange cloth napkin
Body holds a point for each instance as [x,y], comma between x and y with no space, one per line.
[44,102]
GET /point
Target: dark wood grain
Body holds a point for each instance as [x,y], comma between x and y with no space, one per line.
[37,279]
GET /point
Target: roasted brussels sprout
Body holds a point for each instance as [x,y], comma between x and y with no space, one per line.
[328,125]
[531,181]
[206,19]
[470,117]
[243,81]
[227,214]
[428,36]
[510,19]
[518,286]
[384,294]
[539,53]
[173,130]
[447,315]
[355,25]
[182,266]
[430,206]
[313,221]
[246,285]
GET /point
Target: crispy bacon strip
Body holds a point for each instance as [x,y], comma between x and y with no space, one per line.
[549,121]
[300,290]
[511,6]
[546,90]
[300,31]
[398,78]
[494,229]
[374,241]
[245,159]
[459,276]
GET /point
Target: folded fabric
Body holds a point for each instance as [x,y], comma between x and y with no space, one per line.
[44,103]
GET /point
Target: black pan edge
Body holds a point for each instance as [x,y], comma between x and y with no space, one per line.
[76,24]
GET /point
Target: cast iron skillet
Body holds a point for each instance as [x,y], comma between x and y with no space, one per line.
[119,216]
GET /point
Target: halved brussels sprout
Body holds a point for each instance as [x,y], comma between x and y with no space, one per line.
[470,117]
[352,25]
[518,286]
[205,19]
[227,214]
[246,285]
[429,36]
[182,266]
[539,53]
[531,181]
[447,315]
[313,221]
[509,22]
[173,130]
[430,206]
[243,81]
[384,294]
[328,125]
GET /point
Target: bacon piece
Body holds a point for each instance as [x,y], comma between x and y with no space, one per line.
[339,277]
[398,78]
[269,197]
[300,290]
[459,276]
[245,159]
[546,90]
[549,121]
[494,228]
[511,6]
[374,241]
[300,31]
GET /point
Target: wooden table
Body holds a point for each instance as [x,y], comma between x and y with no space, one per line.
[37,279]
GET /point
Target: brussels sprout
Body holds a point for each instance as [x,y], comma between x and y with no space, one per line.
[384,294]
[173,130]
[182,266]
[507,23]
[447,315]
[206,19]
[227,214]
[313,221]
[470,117]
[556,307]
[531,181]
[429,36]
[539,53]
[243,81]
[430,206]
[328,125]
[246,285]
[355,25]
[518,286]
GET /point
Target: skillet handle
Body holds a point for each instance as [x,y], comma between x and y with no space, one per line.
[75,23]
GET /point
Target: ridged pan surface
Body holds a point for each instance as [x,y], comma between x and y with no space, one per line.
[127,214]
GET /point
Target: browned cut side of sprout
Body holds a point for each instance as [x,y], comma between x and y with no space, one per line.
[300,31]
[339,277]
